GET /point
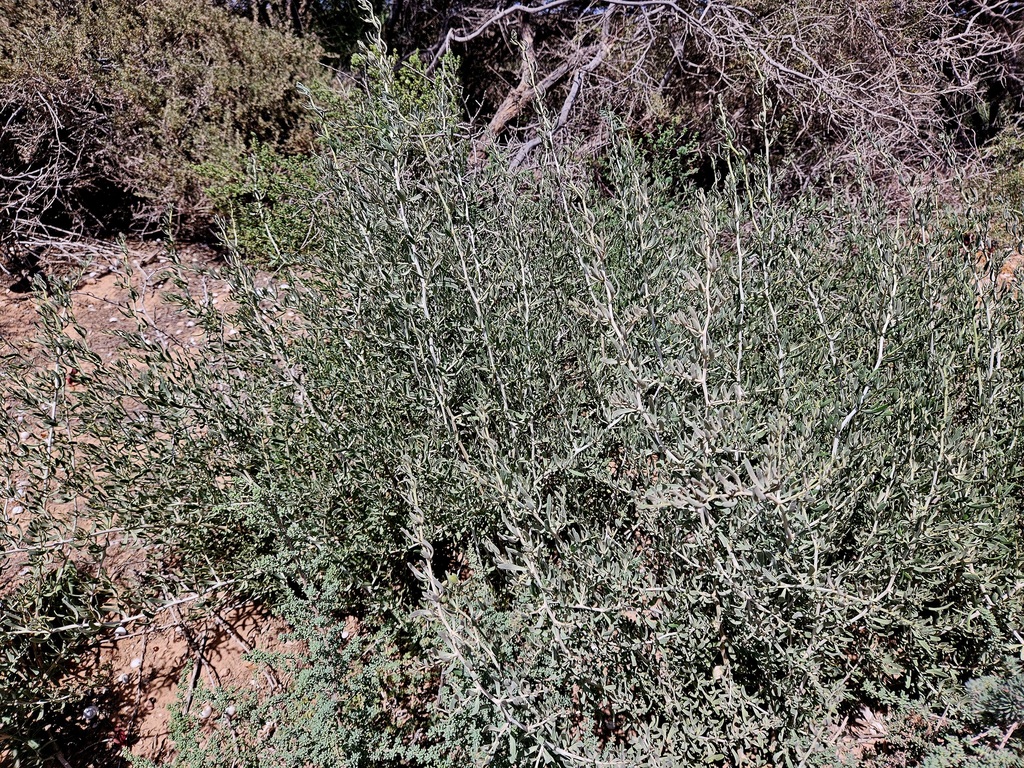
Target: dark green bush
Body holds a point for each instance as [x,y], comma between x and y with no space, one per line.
[608,475]
[109,107]
[339,25]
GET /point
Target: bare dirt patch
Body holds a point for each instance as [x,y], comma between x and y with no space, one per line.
[142,672]
[103,302]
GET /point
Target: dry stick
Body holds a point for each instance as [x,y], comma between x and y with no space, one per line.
[460,36]
[570,100]
[129,619]
[199,649]
[212,676]
[61,542]
[852,100]
[193,682]
[149,628]
[1013,727]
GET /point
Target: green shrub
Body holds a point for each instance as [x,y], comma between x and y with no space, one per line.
[48,621]
[1007,163]
[999,698]
[265,205]
[110,106]
[608,475]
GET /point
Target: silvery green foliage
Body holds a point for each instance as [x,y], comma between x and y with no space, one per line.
[1000,698]
[612,477]
[722,466]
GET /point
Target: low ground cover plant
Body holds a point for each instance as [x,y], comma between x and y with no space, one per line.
[607,473]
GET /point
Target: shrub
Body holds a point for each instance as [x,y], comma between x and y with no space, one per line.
[48,621]
[830,86]
[608,475]
[338,24]
[265,205]
[110,106]
[1007,162]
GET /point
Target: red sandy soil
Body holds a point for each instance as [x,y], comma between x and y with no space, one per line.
[102,296]
[139,670]
[144,670]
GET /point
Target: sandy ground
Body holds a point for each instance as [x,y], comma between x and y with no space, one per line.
[102,298]
[142,674]
[138,670]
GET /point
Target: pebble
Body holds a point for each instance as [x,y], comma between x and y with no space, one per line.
[207,711]
[230,710]
[136,663]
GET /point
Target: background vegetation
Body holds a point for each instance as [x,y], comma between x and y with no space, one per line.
[617,451]
[111,109]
